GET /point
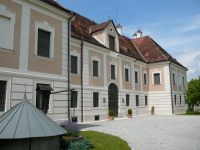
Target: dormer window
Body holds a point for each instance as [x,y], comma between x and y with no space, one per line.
[128,51]
[72,28]
[112,43]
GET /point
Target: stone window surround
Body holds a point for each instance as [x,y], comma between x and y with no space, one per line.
[145,72]
[8,14]
[95,58]
[129,70]
[154,72]
[114,64]
[46,27]
[136,70]
[94,91]
[76,54]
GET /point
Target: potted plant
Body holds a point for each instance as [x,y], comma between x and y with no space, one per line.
[129,115]
[152,110]
[111,115]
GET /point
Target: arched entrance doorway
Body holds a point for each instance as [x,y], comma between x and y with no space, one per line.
[113,98]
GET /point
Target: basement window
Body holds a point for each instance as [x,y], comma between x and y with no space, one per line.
[96,118]
[74,119]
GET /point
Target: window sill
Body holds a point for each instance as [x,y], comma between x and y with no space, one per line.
[127,81]
[145,84]
[113,79]
[137,83]
[75,74]
[96,108]
[96,77]
[45,58]
[156,84]
[6,50]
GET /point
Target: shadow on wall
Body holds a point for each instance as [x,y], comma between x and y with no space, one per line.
[83,126]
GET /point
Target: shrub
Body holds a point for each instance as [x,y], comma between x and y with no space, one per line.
[129,111]
[80,145]
[152,108]
[72,128]
[111,113]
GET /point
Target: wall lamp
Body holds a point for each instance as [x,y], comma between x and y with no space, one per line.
[122,99]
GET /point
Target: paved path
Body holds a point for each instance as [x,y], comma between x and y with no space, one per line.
[157,132]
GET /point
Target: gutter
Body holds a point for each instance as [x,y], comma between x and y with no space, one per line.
[171,87]
[69,65]
[82,81]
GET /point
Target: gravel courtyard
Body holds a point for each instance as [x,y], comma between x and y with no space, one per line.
[155,132]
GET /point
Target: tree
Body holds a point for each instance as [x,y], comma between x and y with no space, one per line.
[193,93]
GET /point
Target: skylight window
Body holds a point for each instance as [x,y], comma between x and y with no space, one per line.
[128,51]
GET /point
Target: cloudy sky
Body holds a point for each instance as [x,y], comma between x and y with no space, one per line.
[173,24]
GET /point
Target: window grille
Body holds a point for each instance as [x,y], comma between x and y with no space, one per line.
[95,99]
[112,43]
[136,77]
[127,100]
[126,75]
[137,100]
[43,43]
[145,79]
[74,97]
[96,118]
[112,72]
[3,85]
[74,65]
[157,78]
[95,68]
[146,101]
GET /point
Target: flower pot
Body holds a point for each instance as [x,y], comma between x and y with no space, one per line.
[152,112]
[129,115]
[110,117]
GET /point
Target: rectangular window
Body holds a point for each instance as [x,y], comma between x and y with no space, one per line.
[95,68]
[174,78]
[146,101]
[157,78]
[112,72]
[4,32]
[137,100]
[112,43]
[3,85]
[183,81]
[126,75]
[175,99]
[145,79]
[184,100]
[180,99]
[43,43]
[74,99]
[74,65]
[136,77]
[127,100]
[95,99]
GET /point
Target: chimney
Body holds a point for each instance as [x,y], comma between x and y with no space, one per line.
[119,29]
[134,35]
[139,33]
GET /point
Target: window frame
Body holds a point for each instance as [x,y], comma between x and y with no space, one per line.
[99,98]
[145,73]
[8,90]
[95,58]
[129,70]
[128,100]
[174,99]
[76,66]
[138,100]
[155,72]
[114,64]
[136,70]
[113,41]
[76,54]
[48,28]
[146,100]
[11,15]
[183,77]
[71,100]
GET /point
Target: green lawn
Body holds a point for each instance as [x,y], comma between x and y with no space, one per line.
[191,113]
[104,141]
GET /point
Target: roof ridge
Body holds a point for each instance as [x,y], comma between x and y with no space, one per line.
[99,24]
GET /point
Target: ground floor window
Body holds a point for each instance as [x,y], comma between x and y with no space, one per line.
[180,99]
[127,100]
[95,99]
[146,101]
[2,95]
[74,96]
[137,100]
[175,99]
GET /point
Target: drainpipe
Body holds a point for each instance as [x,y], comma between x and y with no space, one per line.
[69,65]
[171,87]
[82,81]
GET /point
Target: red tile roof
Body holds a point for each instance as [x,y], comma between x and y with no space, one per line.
[100,26]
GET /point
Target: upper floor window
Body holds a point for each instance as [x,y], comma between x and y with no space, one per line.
[113,72]
[2,95]
[126,75]
[136,77]
[174,79]
[137,100]
[43,43]
[183,81]
[95,99]
[74,67]
[112,43]
[74,99]
[156,78]
[146,101]
[145,79]
[95,68]
[127,100]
